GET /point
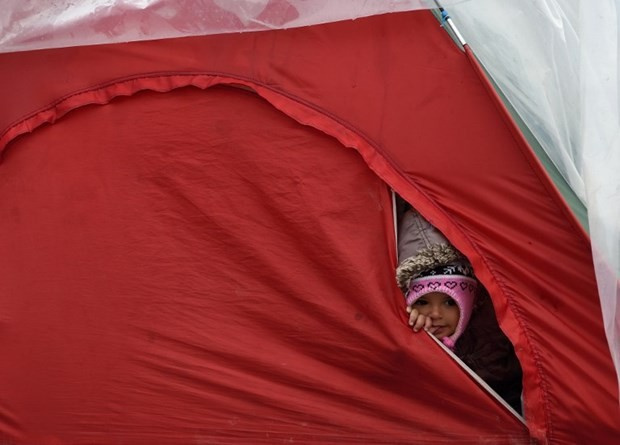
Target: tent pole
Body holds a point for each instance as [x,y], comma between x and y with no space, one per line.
[395,217]
[445,18]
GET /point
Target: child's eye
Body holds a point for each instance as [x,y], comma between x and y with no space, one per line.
[420,302]
[450,302]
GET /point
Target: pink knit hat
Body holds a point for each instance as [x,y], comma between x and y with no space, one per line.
[461,288]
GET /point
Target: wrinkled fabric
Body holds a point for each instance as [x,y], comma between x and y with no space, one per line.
[180,277]
[186,260]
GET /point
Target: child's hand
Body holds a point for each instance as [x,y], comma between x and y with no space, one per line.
[419,321]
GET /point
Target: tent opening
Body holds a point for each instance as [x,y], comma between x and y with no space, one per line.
[430,267]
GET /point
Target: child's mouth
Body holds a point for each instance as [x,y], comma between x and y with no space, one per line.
[438,330]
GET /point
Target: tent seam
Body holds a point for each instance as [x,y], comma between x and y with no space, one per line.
[552,195]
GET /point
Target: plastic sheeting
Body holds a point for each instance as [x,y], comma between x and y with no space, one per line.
[32,24]
[557,62]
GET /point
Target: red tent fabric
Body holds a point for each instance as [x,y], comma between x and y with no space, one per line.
[216,264]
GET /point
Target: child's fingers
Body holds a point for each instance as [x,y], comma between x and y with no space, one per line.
[427,325]
[419,323]
[413,315]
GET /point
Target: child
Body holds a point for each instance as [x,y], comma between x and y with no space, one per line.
[444,298]
[441,301]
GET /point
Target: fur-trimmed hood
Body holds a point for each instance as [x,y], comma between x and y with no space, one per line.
[421,247]
[426,259]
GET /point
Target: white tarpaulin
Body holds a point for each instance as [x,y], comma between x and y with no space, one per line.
[555,60]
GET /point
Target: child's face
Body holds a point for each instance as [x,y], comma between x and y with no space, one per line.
[442,310]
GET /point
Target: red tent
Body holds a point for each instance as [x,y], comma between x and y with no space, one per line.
[197,245]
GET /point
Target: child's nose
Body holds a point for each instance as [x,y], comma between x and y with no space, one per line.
[436,311]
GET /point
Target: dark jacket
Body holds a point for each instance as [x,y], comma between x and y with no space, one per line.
[488,352]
